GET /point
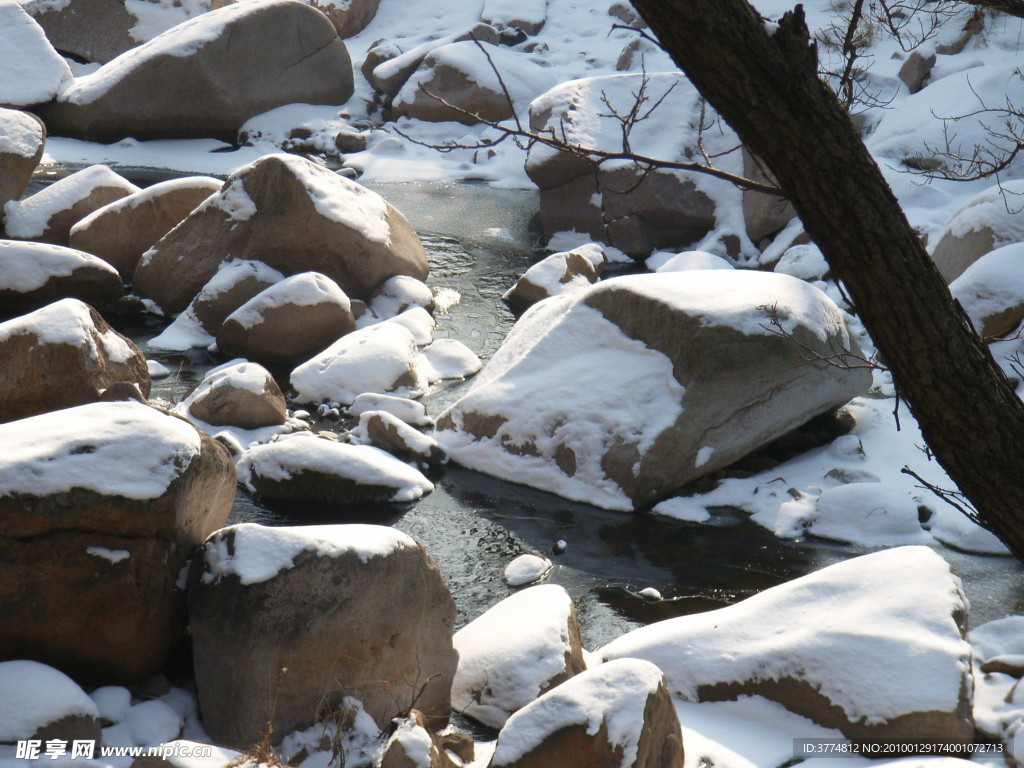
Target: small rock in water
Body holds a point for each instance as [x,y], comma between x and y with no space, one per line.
[157,370]
[526,569]
[332,413]
[560,547]
[322,410]
[304,415]
[650,595]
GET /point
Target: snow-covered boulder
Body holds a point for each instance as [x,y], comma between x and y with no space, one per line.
[618,714]
[382,358]
[391,434]
[413,745]
[347,610]
[208,75]
[399,293]
[239,395]
[618,203]
[48,215]
[557,274]
[22,137]
[39,702]
[409,411]
[621,393]
[450,359]
[527,568]
[33,275]
[33,71]
[93,30]
[991,291]
[804,261]
[102,505]
[235,283]
[460,75]
[527,16]
[349,17]
[686,261]
[873,646]
[523,646]
[870,514]
[292,215]
[62,355]
[304,467]
[289,321]
[985,222]
[120,232]
[395,66]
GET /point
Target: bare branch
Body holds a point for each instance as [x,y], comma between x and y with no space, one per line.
[844,359]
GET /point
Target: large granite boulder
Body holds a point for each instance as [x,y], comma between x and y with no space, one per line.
[621,393]
[982,224]
[102,505]
[120,232]
[288,322]
[33,71]
[22,137]
[63,355]
[522,647]
[339,610]
[617,714]
[292,215]
[240,394]
[459,74]
[872,646]
[33,275]
[208,75]
[93,30]
[633,209]
[48,215]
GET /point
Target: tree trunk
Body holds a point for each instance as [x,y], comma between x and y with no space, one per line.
[763,81]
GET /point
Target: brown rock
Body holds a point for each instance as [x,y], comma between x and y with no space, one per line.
[554,274]
[242,395]
[283,227]
[288,322]
[33,275]
[41,371]
[355,610]
[916,70]
[25,137]
[349,17]
[379,51]
[391,434]
[94,30]
[90,570]
[528,16]
[119,233]
[48,215]
[763,214]
[556,730]
[266,55]
[231,287]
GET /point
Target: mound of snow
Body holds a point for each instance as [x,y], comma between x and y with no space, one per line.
[33,695]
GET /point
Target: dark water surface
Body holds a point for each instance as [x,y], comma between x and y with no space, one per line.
[479,240]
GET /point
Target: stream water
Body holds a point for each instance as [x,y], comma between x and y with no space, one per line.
[479,240]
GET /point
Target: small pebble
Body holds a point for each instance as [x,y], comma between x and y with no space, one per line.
[304,415]
[526,569]
[560,546]
[650,595]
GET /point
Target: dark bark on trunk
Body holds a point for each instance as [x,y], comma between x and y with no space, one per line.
[766,87]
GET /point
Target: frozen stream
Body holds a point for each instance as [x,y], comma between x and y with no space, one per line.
[479,240]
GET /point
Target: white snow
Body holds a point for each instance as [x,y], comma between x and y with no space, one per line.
[30,217]
[33,72]
[373,359]
[398,293]
[302,290]
[874,634]
[526,569]
[550,274]
[68,321]
[450,359]
[157,370]
[117,449]
[664,261]
[303,452]
[232,200]
[409,411]
[704,454]
[152,722]
[33,695]
[501,12]
[258,553]
[26,267]
[184,333]
[873,514]
[992,284]
[419,323]
[612,695]
[112,702]
[997,208]
[414,742]
[113,555]
[510,654]
[803,261]
[22,134]
[415,441]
